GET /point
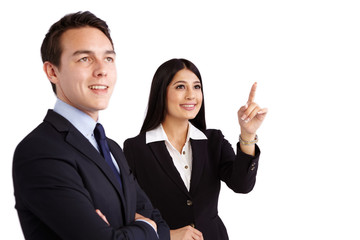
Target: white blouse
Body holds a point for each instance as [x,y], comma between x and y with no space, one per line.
[183,160]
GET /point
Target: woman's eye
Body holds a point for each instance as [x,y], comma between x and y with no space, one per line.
[180,87]
[197,86]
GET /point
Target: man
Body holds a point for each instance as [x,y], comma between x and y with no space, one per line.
[64,188]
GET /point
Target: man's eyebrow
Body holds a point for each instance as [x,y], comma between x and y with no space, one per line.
[110,52]
[92,52]
[82,52]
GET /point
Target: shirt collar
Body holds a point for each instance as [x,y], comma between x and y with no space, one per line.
[81,121]
[158,134]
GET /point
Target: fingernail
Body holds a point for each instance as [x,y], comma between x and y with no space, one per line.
[247,120]
[243,117]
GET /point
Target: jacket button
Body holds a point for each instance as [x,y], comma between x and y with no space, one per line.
[253,166]
[189,202]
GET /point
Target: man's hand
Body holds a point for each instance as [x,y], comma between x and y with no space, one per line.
[102,216]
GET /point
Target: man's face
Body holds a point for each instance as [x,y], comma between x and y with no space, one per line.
[87,73]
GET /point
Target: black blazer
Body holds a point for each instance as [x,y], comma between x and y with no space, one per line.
[60,179]
[214,161]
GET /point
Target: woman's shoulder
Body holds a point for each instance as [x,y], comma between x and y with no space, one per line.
[213,133]
[135,140]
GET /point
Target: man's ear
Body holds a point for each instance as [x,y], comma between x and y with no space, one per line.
[50,71]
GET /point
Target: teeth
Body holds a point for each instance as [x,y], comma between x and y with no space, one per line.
[188,105]
[98,87]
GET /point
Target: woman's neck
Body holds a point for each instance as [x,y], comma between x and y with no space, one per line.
[176,132]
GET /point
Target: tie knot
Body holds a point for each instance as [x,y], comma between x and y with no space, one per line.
[99,132]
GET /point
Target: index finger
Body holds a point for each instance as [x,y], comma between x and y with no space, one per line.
[252,93]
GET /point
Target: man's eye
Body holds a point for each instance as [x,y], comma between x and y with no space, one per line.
[84,59]
[109,59]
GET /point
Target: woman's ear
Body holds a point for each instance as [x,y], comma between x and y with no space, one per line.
[50,71]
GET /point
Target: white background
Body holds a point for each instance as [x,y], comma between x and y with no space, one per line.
[304,55]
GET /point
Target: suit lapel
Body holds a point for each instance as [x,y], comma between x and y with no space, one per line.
[200,154]
[79,142]
[163,157]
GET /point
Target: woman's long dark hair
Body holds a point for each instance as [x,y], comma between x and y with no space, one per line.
[157,99]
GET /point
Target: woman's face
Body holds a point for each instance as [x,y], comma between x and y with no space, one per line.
[184,96]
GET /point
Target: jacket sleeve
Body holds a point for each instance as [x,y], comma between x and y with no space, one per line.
[238,170]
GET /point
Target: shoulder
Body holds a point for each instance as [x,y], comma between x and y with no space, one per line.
[212,134]
[214,139]
[48,139]
[41,137]
[43,143]
[134,150]
[137,140]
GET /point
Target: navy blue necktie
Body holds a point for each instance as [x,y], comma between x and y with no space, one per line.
[100,137]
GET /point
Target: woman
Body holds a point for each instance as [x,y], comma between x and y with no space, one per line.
[179,163]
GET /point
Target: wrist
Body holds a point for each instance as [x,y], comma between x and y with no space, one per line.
[248,139]
[247,136]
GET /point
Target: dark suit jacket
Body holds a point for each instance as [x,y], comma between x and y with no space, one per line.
[213,160]
[60,179]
